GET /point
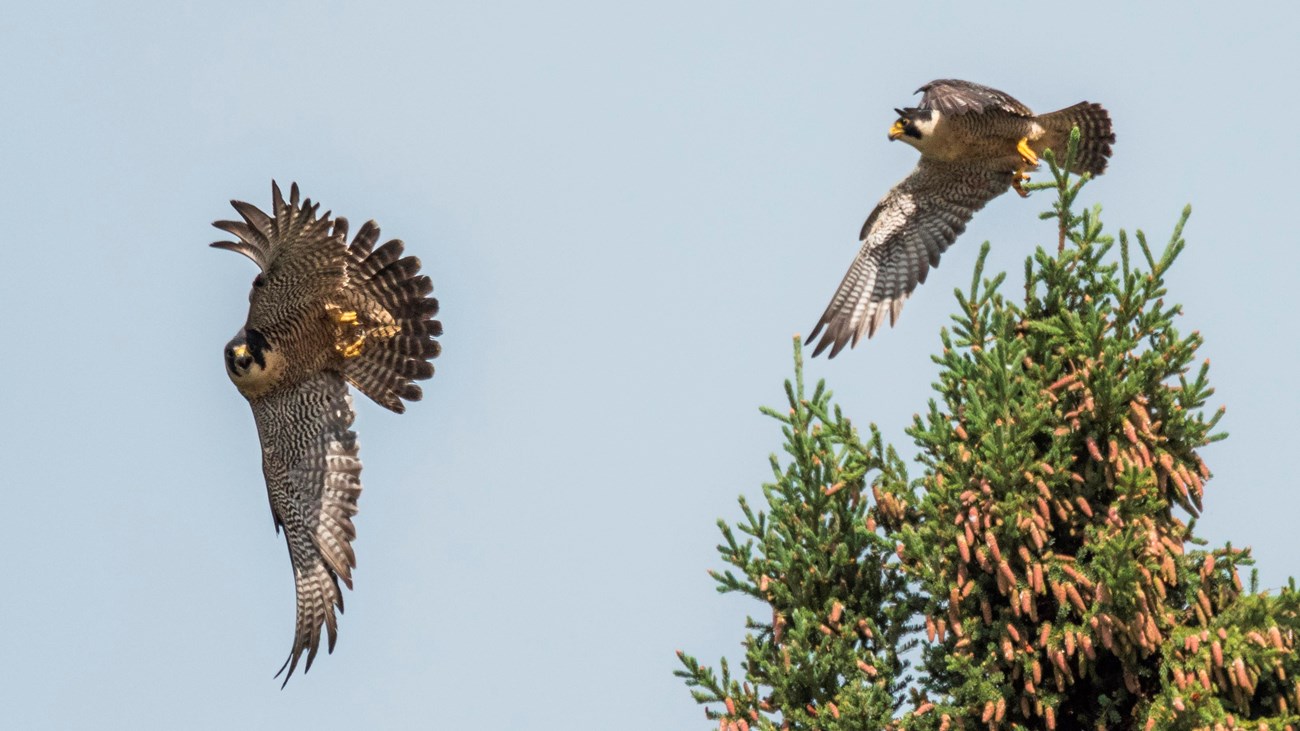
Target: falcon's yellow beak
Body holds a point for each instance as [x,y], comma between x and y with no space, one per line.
[897,130]
[241,351]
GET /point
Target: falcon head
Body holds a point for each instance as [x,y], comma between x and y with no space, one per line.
[252,364]
[913,125]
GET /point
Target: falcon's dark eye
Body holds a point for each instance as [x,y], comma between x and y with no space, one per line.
[259,280]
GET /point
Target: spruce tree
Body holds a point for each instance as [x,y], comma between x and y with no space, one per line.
[1042,568]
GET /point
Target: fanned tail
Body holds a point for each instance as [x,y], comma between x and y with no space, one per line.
[401,329]
[1095,135]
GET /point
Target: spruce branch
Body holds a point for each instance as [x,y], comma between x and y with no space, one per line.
[827,653]
[1047,545]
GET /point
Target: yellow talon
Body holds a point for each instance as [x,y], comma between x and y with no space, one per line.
[1026,152]
[1018,178]
[352,349]
[351,334]
[340,315]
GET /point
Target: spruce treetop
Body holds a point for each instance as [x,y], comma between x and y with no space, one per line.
[1042,568]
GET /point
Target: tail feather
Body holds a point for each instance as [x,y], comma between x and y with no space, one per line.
[414,346]
[385,384]
[1095,135]
[370,260]
[403,329]
[400,284]
[364,242]
[413,308]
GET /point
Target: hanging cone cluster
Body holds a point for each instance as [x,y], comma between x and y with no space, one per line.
[1063,589]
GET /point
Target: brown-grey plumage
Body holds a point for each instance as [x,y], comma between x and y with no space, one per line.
[322,314]
[975,143]
[953,96]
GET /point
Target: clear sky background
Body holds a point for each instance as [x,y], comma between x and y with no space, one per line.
[627,212]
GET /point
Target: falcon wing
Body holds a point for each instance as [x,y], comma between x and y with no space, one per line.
[309,457]
[303,258]
[953,97]
[914,223]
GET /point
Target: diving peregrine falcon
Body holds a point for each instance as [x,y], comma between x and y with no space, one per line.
[322,314]
[975,143]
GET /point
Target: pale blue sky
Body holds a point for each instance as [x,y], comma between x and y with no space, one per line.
[627,212]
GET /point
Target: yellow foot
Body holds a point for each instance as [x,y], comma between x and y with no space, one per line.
[348,326]
[1027,153]
[1018,178]
[351,334]
[352,349]
[340,315]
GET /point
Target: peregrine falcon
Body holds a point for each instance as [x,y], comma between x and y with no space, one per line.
[322,314]
[975,143]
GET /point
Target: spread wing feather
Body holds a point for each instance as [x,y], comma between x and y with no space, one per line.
[954,96]
[904,236]
[303,257]
[313,479]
